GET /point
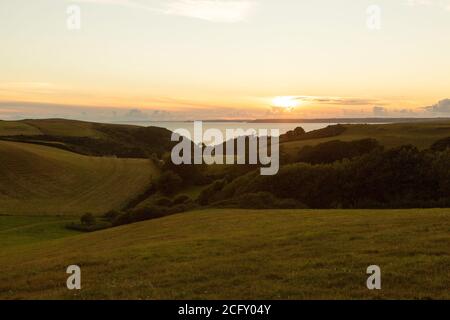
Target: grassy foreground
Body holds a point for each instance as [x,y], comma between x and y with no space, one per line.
[239,254]
[40,180]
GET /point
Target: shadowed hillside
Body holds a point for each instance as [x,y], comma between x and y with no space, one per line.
[89,138]
[421,135]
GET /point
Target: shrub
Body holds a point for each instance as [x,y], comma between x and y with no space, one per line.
[124,218]
[111,215]
[402,177]
[181,199]
[89,228]
[169,183]
[441,145]
[299,134]
[206,196]
[163,202]
[336,150]
[87,219]
[148,213]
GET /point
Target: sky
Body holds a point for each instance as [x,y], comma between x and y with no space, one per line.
[224,59]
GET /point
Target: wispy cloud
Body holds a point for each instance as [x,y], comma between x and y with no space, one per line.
[337,100]
[419,2]
[444,4]
[211,10]
[224,11]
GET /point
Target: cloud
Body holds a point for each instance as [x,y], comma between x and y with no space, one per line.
[136,114]
[210,10]
[222,11]
[442,106]
[337,100]
[420,3]
[379,111]
[14,110]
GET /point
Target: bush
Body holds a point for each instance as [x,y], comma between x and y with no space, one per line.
[336,150]
[181,199]
[89,228]
[441,145]
[147,213]
[169,183]
[206,196]
[150,212]
[111,215]
[163,202]
[124,218]
[87,219]
[299,134]
[402,177]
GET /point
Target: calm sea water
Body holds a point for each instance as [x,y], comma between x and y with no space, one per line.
[223,126]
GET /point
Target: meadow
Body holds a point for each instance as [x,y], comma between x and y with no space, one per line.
[207,253]
[40,180]
[422,135]
[236,254]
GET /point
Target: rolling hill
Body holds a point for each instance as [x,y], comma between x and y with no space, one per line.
[234,254]
[421,135]
[41,180]
[141,142]
[90,138]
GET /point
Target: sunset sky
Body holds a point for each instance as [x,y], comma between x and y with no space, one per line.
[214,59]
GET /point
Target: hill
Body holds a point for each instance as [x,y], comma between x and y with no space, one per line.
[129,141]
[90,138]
[421,134]
[40,180]
[238,254]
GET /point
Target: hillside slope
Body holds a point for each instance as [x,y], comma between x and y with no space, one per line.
[90,138]
[241,254]
[40,180]
[421,135]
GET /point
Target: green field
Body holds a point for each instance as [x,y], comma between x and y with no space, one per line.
[203,254]
[238,254]
[57,127]
[39,180]
[20,230]
[421,135]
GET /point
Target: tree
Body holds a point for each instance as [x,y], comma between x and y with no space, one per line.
[87,219]
[169,183]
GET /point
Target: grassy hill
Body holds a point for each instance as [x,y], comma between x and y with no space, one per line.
[40,180]
[421,135]
[239,254]
[89,138]
[140,142]
[21,230]
[56,127]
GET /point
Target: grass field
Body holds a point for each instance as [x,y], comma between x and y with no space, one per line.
[421,135]
[22,230]
[239,254]
[39,180]
[56,127]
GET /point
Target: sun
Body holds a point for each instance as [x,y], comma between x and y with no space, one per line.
[287,102]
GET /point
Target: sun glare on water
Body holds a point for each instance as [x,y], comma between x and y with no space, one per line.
[287,102]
